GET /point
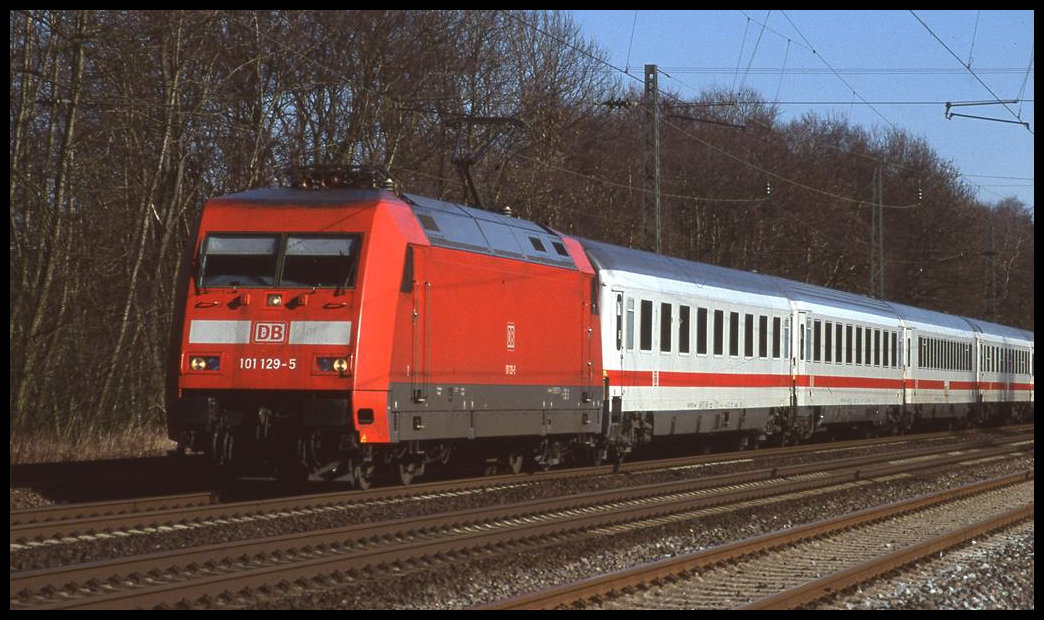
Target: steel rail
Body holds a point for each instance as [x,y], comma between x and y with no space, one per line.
[569,595]
[837,582]
[480,520]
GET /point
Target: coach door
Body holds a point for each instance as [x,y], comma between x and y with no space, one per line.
[625,326]
[905,363]
[800,368]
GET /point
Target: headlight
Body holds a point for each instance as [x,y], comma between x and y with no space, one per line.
[332,364]
[205,362]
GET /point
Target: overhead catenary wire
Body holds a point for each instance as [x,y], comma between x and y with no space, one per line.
[773,174]
[970,70]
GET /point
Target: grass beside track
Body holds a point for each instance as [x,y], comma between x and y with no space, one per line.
[92,445]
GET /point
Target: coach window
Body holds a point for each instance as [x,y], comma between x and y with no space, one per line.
[734,333]
[858,344]
[239,260]
[801,342]
[762,336]
[777,336]
[817,333]
[877,347]
[786,338]
[630,324]
[828,342]
[748,335]
[719,331]
[848,344]
[884,348]
[838,346]
[665,327]
[646,330]
[895,349]
[683,328]
[701,331]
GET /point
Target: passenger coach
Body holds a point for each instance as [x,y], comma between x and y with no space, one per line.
[713,355]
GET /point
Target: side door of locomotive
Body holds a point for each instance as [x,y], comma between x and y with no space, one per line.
[419,288]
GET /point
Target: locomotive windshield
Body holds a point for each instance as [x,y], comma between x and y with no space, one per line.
[279,260]
[240,260]
[319,261]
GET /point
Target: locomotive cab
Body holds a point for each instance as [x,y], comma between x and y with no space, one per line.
[267,377]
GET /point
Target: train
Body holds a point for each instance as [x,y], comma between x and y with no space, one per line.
[339,329]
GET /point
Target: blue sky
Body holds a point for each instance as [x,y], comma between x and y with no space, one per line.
[874,68]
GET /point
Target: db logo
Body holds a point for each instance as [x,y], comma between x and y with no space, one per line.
[270,332]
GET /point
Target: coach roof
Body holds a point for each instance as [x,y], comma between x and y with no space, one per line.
[615,258]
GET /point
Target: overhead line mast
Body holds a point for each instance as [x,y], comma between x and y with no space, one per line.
[652,153]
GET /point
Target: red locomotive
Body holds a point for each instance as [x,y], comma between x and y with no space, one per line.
[354,332]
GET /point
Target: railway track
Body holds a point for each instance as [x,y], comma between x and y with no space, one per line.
[45,525]
[798,566]
[211,573]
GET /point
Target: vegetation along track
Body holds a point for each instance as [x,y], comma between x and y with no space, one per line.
[205,573]
[797,566]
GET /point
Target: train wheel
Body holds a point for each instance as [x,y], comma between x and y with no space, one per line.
[362,473]
[408,470]
[515,460]
[221,448]
[595,456]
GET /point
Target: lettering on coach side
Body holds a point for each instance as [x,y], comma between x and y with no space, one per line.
[269,332]
[510,336]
